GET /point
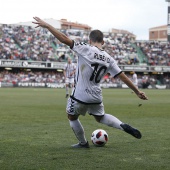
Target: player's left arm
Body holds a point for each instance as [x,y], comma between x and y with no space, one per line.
[129,83]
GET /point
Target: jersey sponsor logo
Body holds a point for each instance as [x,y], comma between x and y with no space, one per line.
[92,92]
[101,57]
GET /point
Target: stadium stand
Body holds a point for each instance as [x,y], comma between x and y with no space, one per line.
[45,76]
[32,76]
[157,53]
[26,43]
[18,42]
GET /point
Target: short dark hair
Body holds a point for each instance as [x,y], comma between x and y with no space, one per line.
[96,36]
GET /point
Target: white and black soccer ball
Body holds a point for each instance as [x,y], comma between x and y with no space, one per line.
[99,137]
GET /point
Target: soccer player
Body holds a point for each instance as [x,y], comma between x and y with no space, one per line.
[69,74]
[93,64]
[135,79]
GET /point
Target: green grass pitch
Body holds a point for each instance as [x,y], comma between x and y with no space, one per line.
[35,133]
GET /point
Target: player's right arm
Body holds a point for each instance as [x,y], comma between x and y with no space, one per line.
[59,35]
[129,83]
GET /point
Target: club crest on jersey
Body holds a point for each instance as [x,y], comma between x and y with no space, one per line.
[101,58]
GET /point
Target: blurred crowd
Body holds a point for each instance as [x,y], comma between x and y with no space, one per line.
[157,53]
[36,77]
[28,43]
[120,48]
[57,77]
[144,81]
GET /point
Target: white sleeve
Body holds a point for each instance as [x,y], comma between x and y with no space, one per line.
[81,48]
[114,69]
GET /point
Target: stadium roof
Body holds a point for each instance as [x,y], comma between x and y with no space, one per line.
[120,31]
[55,23]
[159,27]
[64,22]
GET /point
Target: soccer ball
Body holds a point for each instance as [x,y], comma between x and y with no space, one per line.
[99,137]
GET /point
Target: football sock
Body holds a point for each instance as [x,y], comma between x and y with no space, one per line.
[78,130]
[112,121]
[67,90]
[72,89]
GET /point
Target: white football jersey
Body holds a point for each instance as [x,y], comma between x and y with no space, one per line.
[93,63]
[135,79]
[69,68]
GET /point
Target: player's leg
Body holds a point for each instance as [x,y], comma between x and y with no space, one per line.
[67,87]
[72,84]
[75,123]
[110,120]
[99,114]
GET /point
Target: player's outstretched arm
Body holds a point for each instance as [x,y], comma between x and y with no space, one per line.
[129,83]
[59,35]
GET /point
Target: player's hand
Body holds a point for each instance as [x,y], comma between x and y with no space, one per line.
[142,95]
[40,22]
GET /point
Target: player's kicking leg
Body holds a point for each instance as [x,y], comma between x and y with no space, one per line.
[134,132]
[112,121]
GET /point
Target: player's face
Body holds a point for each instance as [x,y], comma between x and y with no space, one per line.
[69,60]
